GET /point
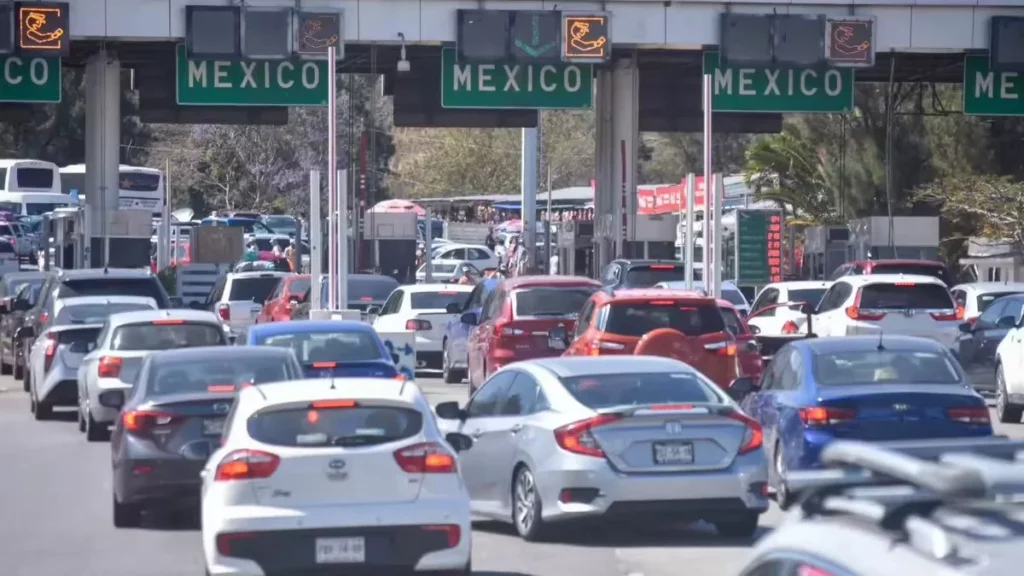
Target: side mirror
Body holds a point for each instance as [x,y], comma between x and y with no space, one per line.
[453,308]
[112,399]
[755,330]
[176,302]
[1006,322]
[460,442]
[469,319]
[373,310]
[966,327]
[450,411]
[560,334]
[740,388]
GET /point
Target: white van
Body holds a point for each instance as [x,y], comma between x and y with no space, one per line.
[31,187]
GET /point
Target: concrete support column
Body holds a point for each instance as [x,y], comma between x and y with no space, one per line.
[102,150]
[626,130]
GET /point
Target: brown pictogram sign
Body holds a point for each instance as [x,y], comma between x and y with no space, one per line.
[317,32]
[850,42]
[585,38]
[43,28]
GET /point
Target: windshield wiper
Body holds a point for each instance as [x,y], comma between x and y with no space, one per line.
[360,440]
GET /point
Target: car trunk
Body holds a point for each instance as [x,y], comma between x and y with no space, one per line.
[530,337]
[193,423]
[370,369]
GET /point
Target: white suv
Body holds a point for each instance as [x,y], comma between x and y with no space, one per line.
[904,304]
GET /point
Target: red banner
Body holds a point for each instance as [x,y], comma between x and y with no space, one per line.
[668,199]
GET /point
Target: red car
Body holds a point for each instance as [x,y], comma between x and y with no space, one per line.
[283,299]
[515,320]
[747,351]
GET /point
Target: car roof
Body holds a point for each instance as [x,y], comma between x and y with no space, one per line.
[865,279]
[139,316]
[898,261]
[434,287]
[258,274]
[657,294]
[568,367]
[987,287]
[800,284]
[697,285]
[867,343]
[641,262]
[549,280]
[199,353]
[309,327]
[99,273]
[117,299]
[312,389]
[27,275]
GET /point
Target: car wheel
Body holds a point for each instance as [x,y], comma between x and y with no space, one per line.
[126,515]
[43,411]
[782,495]
[744,527]
[81,420]
[19,373]
[526,506]
[94,431]
[451,375]
[1007,412]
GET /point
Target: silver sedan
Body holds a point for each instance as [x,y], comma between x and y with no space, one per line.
[619,436]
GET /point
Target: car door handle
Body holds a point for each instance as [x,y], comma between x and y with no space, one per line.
[516,429]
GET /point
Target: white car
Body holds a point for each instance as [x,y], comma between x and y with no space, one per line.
[880,304]
[425,309]
[122,345]
[238,297]
[479,256]
[447,271]
[730,292]
[976,297]
[780,321]
[321,475]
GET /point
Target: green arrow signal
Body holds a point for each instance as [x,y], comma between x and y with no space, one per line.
[535,51]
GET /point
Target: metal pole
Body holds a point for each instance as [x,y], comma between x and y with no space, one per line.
[547,225]
[528,189]
[716,266]
[428,246]
[316,262]
[332,180]
[689,239]
[709,209]
[343,245]
[163,245]
[624,193]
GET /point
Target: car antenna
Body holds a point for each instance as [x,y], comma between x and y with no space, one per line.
[332,380]
[881,346]
[257,387]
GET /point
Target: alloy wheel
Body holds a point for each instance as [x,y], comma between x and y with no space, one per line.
[525,502]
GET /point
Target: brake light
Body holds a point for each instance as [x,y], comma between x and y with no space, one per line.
[905,284]
[726,348]
[325,364]
[366,299]
[453,531]
[425,458]
[417,325]
[790,327]
[43,317]
[167,322]
[969,415]
[108,367]
[949,315]
[662,302]
[805,570]
[334,404]
[224,541]
[224,311]
[670,407]
[142,421]
[221,388]
[247,465]
[662,267]
[596,346]
[578,437]
[51,351]
[754,437]
[825,416]
[855,312]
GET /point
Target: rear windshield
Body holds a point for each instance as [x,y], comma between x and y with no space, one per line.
[440,268]
[884,367]
[7,230]
[639,318]
[277,222]
[149,336]
[607,390]
[310,348]
[437,300]
[86,335]
[212,375]
[933,270]
[986,300]
[252,289]
[263,244]
[647,276]
[377,288]
[298,286]
[147,287]
[734,297]
[550,301]
[905,296]
[314,426]
[733,323]
[811,296]
[93,313]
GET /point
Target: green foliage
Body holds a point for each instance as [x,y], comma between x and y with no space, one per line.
[169,279]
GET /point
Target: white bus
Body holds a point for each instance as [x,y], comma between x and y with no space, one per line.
[138,188]
[31,187]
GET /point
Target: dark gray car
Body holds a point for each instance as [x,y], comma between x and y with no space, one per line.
[978,341]
[173,419]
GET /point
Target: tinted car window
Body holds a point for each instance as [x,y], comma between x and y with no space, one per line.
[551,301]
[298,286]
[355,426]
[377,288]
[149,336]
[986,300]
[78,335]
[647,276]
[639,318]
[101,286]
[276,222]
[93,313]
[810,296]
[607,390]
[437,300]
[263,244]
[254,289]
[215,375]
[932,270]
[884,367]
[734,297]
[733,323]
[328,346]
[905,296]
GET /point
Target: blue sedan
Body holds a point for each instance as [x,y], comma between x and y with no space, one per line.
[329,348]
[863,388]
[453,347]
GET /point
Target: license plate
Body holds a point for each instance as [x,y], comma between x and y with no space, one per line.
[340,550]
[213,426]
[673,453]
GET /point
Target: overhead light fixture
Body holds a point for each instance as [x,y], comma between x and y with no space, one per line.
[213,32]
[267,33]
[6,27]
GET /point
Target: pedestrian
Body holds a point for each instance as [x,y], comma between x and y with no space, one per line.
[489,241]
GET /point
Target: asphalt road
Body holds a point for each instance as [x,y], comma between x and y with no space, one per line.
[55,501]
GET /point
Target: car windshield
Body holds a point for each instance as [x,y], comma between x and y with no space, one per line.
[905,296]
[328,426]
[263,244]
[884,367]
[255,289]
[608,390]
[639,318]
[165,335]
[933,270]
[733,323]
[811,296]
[94,313]
[438,300]
[314,347]
[439,268]
[280,222]
[986,300]
[376,288]
[147,287]
[215,375]
[551,300]
[647,276]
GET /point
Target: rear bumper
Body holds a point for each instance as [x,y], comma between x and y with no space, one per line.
[59,390]
[428,359]
[814,441]
[153,480]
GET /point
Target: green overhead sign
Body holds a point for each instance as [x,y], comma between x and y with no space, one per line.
[738,89]
[989,93]
[28,79]
[250,82]
[497,86]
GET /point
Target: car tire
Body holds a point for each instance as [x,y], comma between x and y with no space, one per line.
[744,527]
[526,506]
[1007,412]
[782,495]
[19,374]
[450,375]
[126,515]
[81,420]
[41,410]
[94,431]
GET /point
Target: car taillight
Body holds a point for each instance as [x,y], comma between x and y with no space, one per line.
[579,438]
[43,317]
[143,421]
[969,415]
[224,541]
[597,346]
[727,348]
[754,436]
[425,458]
[971,321]
[855,312]
[109,367]
[247,465]
[224,311]
[452,531]
[51,351]
[418,325]
[825,416]
[790,327]
[806,570]
[949,315]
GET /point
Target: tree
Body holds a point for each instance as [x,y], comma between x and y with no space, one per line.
[674,155]
[992,206]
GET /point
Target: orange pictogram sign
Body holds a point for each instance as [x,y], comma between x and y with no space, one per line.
[43,28]
[318,32]
[585,38]
[850,42]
